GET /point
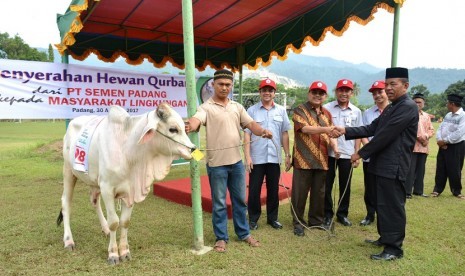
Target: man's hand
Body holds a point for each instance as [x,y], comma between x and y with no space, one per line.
[288,166]
[267,134]
[423,141]
[248,165]
[287,161]
[337,131]
[354,158]
[442,144]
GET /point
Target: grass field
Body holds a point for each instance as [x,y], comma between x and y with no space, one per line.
[161,232]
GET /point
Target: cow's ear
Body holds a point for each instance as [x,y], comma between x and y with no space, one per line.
[163,111]
[147,135]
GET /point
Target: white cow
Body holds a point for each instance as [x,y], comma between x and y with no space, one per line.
[125,156]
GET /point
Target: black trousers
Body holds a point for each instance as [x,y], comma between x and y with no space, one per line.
[303,182]
[271,173]
[370,192]
[416,174]
[449,165]
[390,207]
[344,166]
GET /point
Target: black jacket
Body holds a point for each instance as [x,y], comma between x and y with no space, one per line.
[394,133]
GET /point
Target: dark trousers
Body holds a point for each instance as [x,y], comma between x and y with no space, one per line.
[370,192]
[390,207]
[303,182]
[271,172]
[344,166]
[416,174]
[449,164]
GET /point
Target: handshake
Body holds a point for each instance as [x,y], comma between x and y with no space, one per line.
[336,131]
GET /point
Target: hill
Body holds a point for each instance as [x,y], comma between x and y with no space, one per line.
[301,70]
[305,69]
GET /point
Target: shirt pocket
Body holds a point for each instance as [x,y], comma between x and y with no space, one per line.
[350,121]
[261,120]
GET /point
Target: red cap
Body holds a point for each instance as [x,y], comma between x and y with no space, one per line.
[377,85]
[345,83]
[318,85]
[267,82]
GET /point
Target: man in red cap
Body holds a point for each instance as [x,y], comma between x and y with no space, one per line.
[345,114]
[263,156]
[381,101]
[312,125]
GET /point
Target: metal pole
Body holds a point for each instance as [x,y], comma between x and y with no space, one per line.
[240,62]
[65,60]
[189,61]
[395,36]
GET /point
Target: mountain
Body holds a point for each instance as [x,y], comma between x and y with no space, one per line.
[305,69]
[301,70]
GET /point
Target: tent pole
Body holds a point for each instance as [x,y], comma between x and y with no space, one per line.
[240,63]
[65,60]
[189,61]
[395,36]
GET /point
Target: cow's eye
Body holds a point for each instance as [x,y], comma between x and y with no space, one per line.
[173,130]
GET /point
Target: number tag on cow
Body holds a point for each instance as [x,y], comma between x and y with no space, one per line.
[197,155]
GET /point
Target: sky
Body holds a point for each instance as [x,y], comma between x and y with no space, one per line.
[432,33]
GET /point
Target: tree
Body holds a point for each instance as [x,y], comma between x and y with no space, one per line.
[51,55]
[15,48]
[436,103]
[419,89]
[249,85]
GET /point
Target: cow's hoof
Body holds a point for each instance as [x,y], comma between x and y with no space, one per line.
[106,232]
[113,260]
[70,247]
[125,257]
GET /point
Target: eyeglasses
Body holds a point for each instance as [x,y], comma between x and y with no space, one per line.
[270,90]
[318,92]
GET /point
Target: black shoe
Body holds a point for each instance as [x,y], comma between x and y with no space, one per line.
[374,242]
[422,195]
[383,256]
[275,224]
[409,196]
[327,222]
[253,225]
[344,221]
[298,231]
[366,222]
[319,226]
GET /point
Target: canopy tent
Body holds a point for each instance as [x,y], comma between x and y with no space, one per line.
[188,33]
[228,33]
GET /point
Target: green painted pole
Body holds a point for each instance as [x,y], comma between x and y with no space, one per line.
[240,62]
[189,61]
[395,36]
[65,60]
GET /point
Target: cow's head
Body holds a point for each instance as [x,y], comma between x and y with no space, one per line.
[167,124]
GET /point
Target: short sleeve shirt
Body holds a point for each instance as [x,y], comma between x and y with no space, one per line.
[223,129]
[275,119]
[347,117]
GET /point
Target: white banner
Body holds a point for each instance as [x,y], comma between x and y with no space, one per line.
[42,90]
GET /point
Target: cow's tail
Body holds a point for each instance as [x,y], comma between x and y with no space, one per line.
[60,218]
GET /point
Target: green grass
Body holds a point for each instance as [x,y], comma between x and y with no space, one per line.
[161,232]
